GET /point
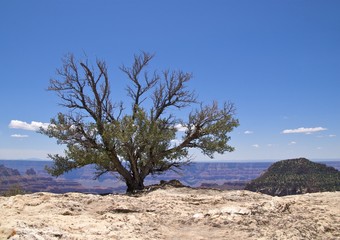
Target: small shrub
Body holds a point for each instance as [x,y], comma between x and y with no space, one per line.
[13,190]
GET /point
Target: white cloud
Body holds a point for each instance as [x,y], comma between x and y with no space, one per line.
[176,142]
[255,145]
[304,130]
[331,135]
[19,136]
[292,143]
[181,128]
[248,132]
[33,126]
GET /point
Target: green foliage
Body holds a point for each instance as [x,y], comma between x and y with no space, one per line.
[296,176]
[13,190]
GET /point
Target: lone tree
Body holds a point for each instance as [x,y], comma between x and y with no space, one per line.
[136,139]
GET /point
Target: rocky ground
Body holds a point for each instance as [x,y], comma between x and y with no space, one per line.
[171,213]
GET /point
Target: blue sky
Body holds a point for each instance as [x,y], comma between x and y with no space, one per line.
[277,61]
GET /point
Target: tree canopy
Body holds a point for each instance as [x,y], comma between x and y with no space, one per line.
[138,137]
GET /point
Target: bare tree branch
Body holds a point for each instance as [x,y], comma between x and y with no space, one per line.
[172,93]
[139,87]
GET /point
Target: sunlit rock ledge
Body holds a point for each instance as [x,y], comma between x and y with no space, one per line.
[171,213]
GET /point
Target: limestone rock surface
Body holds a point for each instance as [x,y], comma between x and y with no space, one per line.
[171,213]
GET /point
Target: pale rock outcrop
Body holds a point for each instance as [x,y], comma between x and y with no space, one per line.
[171,213]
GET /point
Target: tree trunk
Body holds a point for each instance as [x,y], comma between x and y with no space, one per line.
[134,185]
